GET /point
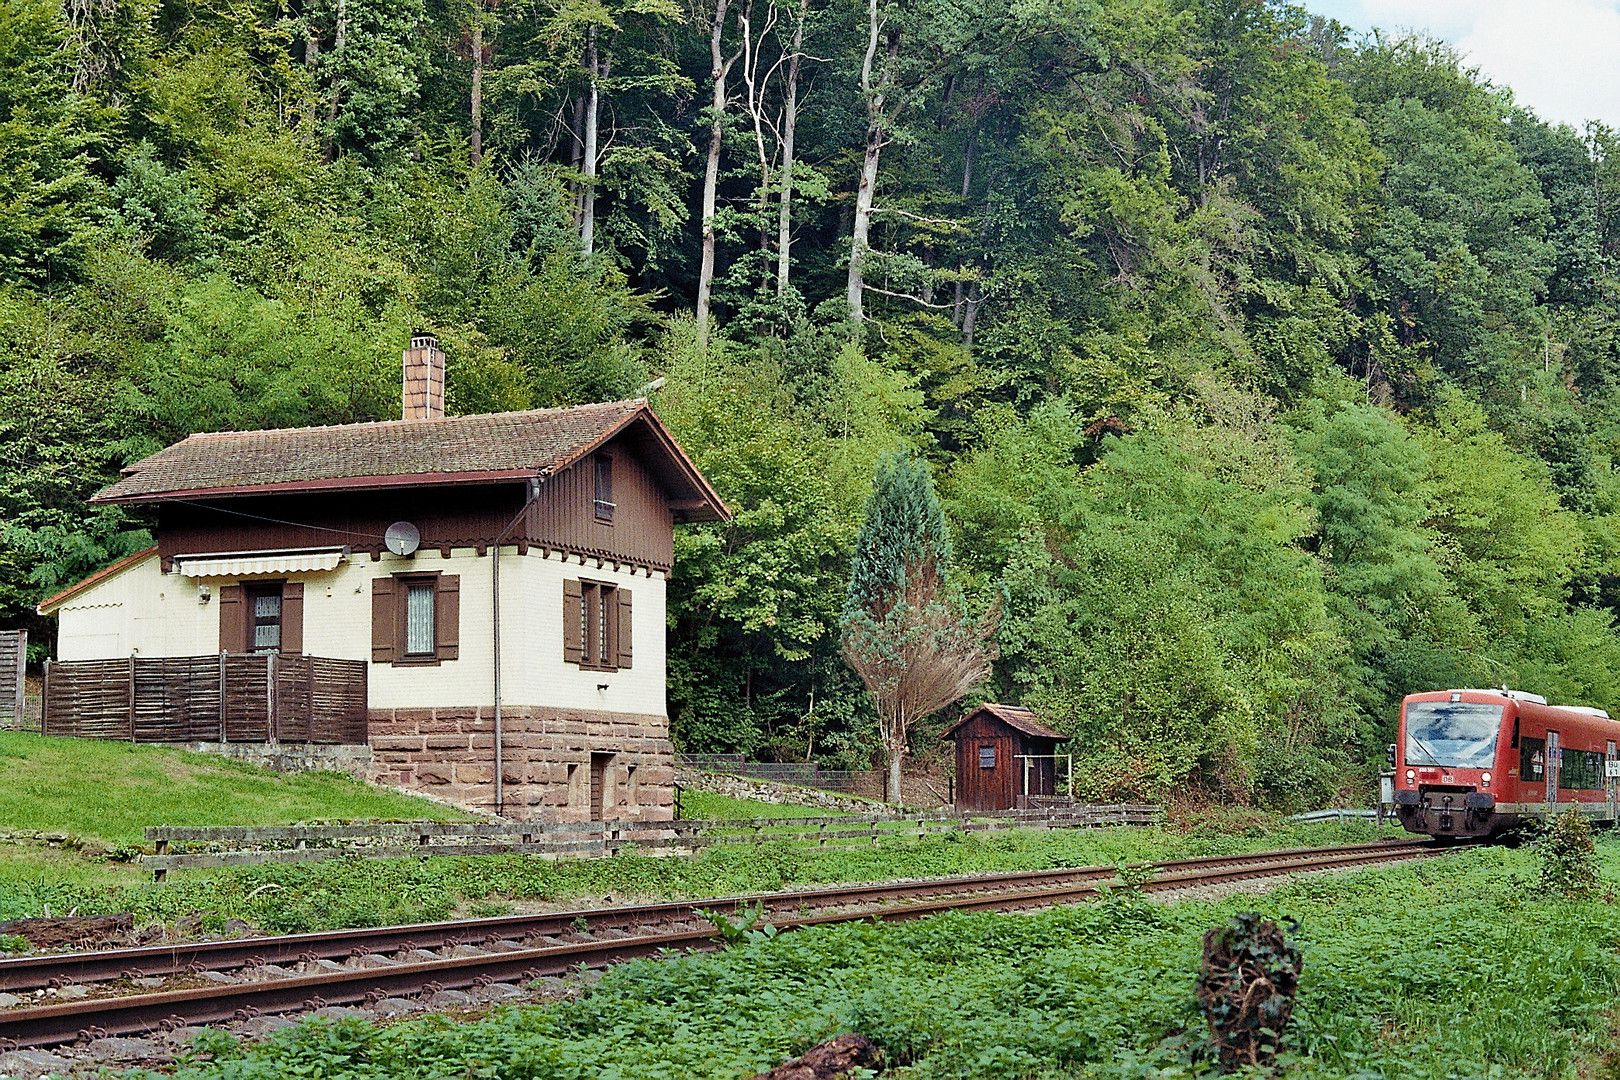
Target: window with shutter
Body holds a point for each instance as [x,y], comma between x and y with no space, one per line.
[232,620]
[415,619]
[384,621]
[596,625]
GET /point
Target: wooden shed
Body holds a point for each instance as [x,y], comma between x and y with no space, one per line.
[1004,758]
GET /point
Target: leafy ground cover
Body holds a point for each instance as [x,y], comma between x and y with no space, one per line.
[1456,967]
[356,892]
[108,792]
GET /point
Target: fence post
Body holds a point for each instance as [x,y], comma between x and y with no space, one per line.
[224,736]
[132,697]
[45,700]
[874,832]
[270,698]
[309,704]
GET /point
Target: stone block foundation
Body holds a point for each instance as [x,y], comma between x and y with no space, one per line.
[556,764]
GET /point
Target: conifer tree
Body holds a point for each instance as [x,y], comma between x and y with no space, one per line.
[904,631]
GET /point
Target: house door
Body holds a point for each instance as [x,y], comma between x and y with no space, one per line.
[599,788]
[264,615]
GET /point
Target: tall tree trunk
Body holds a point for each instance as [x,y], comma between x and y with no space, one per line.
[967,185]
[718,67]
[332,105]
[477,100]
[860,231]
[790,122]
[896,747]
[593,115]
[970,317]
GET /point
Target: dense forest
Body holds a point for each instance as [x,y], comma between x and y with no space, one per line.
[1268,372]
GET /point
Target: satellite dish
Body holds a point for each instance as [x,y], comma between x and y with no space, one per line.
[402,538]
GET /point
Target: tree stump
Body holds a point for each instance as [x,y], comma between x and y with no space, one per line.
[1246,985]
[829,1061]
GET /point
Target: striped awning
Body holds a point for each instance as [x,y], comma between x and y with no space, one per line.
[249,563]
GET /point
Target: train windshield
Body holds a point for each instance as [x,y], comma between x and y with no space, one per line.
[1452,734]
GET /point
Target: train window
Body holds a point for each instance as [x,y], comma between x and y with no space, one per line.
[1581,769]
[1532,759]
[1453,734]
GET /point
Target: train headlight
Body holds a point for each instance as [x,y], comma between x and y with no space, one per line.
[1411,774]
[1484,779]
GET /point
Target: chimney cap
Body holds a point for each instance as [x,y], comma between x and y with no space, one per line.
[424,339]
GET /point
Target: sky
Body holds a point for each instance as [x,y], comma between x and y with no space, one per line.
[1558,56]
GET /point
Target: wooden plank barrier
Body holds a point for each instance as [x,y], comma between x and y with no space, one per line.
[265,844]
[13,668]
[228,697]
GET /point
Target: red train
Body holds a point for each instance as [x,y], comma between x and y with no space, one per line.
[1475,763]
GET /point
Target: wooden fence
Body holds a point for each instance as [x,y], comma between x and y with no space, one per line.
[258,845]
[230,697]
[13,666]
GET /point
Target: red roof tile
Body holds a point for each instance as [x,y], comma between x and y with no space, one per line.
[459,449]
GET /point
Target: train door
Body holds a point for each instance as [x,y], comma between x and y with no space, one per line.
[1611,784]
[1554,760]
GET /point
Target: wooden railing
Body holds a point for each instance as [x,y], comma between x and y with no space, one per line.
[230,697]
[258,845]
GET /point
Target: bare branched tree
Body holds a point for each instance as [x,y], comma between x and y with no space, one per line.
[904,629]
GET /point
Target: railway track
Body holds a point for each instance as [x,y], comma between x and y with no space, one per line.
[251,977]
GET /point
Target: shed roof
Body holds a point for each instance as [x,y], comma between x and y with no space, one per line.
[1015,716]
[481,449]
[49,605]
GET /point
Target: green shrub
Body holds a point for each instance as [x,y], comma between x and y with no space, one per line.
[1566,854]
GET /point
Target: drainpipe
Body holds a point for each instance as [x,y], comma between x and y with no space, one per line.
[495,639]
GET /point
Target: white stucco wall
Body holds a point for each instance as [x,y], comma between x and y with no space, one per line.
[532,668]
[144,612]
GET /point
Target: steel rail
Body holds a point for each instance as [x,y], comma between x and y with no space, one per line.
[30,972]
[50,1025]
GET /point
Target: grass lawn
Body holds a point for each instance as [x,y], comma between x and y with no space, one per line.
[711,806]
[107,793]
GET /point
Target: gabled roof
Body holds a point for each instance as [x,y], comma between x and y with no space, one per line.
[484,449]
[49,605]
[1015,716]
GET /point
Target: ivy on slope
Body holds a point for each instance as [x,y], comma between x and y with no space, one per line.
[1445,968]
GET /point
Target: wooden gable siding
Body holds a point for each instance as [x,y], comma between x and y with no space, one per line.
[563,517]
[643,528]
[446,517]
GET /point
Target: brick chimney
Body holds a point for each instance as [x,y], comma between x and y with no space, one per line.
[424,379]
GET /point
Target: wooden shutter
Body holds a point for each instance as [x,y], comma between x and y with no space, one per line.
[573,616]
[447,616]
[292,617]
[624,626]
[384,621]
[232,620]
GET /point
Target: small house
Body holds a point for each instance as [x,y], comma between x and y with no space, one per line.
[1005,759]
[477,601]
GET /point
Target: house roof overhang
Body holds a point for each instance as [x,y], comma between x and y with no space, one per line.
[495,448]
